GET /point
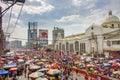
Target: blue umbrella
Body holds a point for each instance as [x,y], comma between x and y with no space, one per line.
[117,60]
[3,72]
[43,69]
[12,64]
[64,59]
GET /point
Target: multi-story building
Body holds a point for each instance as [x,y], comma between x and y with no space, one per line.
[55,34]
[97,39]
[15,45]
[32,34]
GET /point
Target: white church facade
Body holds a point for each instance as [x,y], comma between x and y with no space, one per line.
[97,39]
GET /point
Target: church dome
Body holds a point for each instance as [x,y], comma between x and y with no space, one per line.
[111,18]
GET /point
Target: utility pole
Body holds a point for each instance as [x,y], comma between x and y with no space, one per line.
[1,33]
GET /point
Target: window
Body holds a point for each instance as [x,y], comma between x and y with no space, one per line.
[59,46]
[92,28]
[76,46]
[71,47]
[112,26]
[118,25]
[67,45]
[104,37]
[63,47]
[115,42]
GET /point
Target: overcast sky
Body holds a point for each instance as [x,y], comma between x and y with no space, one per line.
[74,16]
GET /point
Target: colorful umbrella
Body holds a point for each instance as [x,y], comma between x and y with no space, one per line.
[12,64]
[41,78]
[76,62]
[115,65]
[65,59]
[20,60]
[90,65]
[48,66]
[36,75]
[117,60]
[106,64]
[44,60]
[3,59]
[43,69]
[13,69]
[40,63]
[3,72]
[34,67]
[116,72]
[27,63]
[53,71]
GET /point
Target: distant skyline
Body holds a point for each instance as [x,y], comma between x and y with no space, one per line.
[74,16]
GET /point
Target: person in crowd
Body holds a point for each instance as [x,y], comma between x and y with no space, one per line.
[25,71]
[28,75]
[86,77]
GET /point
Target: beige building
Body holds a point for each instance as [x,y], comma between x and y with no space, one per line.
[98,39]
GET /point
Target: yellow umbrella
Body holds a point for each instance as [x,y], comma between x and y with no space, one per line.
[39,63]
[44,60]
[34,67]
[40,78]
[36,75]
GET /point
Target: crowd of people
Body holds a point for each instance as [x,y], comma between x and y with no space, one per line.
[18,64]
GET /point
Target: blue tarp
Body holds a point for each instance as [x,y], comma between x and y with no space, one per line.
[3,72]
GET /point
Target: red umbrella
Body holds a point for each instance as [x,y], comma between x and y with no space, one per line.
[13,69]
[2,59]
[114,65]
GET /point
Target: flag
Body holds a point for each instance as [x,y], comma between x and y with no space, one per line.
[61,53]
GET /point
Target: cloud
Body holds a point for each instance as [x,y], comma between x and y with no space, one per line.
[87,4]
[69,18]
[41,7]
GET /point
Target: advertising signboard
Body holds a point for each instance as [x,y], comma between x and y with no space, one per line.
[43,37]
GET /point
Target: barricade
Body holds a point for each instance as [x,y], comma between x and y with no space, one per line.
[81,72]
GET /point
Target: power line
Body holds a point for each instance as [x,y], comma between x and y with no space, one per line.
[71,39]
[4,11]
[17,19]
[9,20]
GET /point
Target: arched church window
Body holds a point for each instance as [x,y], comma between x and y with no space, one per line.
[63,47]
[67,44]
[118,25]
[59,46]
[71,47]
[104,37]
[76,46]
[92,28]
[112,26]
